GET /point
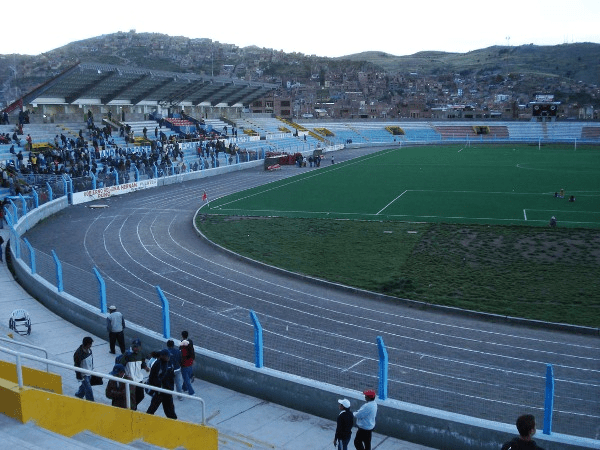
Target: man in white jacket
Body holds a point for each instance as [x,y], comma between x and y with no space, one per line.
[365,421]
[115,324]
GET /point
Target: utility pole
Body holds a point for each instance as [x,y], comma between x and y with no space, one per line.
[507,52]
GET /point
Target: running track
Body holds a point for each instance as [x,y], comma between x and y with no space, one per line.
[447,361]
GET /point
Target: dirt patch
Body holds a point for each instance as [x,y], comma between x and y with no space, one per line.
[496,245]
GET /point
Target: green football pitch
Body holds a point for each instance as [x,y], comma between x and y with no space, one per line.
[512,184]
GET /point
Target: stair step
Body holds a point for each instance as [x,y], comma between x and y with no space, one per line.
[233,441]
[31,437]
[141,445]
[98,442]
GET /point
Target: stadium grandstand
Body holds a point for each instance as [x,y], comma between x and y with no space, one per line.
[103,115]
[96,131]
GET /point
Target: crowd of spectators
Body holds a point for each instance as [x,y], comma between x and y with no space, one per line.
[94,153]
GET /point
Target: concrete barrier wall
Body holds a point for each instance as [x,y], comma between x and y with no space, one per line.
[35,216]
[69,416]
[31,377]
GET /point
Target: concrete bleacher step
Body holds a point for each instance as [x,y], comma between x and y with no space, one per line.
[100,442]
[233,441]
[145,446]
[14,434]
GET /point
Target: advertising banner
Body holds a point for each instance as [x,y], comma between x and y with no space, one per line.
[109,191]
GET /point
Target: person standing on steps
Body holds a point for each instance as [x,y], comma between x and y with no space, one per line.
[365,421]
[83,358]
[345,421]
[115,324]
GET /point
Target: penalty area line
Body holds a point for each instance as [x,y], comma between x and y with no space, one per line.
[383,209]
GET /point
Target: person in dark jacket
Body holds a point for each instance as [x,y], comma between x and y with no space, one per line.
[175,358]
[526,428]
[115,390]
[162,375]
[83,358]
[345,420]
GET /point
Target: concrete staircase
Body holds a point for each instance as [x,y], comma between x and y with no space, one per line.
[14,434]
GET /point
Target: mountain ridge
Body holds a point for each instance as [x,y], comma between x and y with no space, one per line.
[548,67]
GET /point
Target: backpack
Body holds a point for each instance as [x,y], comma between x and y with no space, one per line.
[122,359]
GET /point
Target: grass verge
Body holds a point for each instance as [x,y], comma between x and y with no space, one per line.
[543,274]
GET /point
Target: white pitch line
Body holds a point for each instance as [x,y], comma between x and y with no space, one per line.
[379,212]
[353,365]
[339,166]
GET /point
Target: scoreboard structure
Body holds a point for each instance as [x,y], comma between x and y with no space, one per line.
[544,108]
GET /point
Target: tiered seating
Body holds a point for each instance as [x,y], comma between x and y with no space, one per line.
[376,133]
[40,133]
[5,154]
[590,133]
[563,131]
[498,132]
[138,128]
[449,132]
[341,132]
[267,125]
[527,131]
[217,125]
[345,133]
[244,125]
[419,132]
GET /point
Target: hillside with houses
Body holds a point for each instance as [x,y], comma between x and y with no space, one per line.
[493,83]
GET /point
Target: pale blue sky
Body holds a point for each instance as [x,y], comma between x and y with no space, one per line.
[325,28]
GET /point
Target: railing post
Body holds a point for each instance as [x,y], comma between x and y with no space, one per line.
[65,188]
[50,194]
[8,216]
[17,241]
[165,313]
[36,200]
[127,395]
[383,369]
[258,341]
[59,275]
[549,400]
[19,372]
[101,290]
[31,255]
[23,205]
[15,211]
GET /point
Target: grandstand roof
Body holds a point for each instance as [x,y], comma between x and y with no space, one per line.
[103,84]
